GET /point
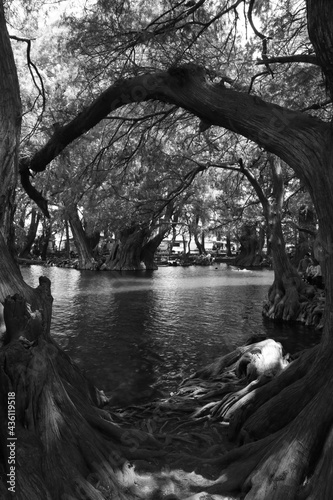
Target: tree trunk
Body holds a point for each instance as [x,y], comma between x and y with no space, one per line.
[250,252]
[63,444]
[288,289]
[196,232]
[185,245]
[285,426]
[284,294]
[199,244]
[228,246]
[173,240]
[31,236]
[66,443]
[86,259]
[67,242]
[93,236]
[306,232]
[10,126]
[126,251]
[149,249]
[47,231]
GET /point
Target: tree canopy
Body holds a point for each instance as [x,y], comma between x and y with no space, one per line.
[184,70]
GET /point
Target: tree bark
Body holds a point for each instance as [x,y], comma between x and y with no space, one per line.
[44,242]
[126,251]
[66,445]
[196,233]
[92,234]
[292,428]
[149,249]
[284,294]
[250,252]
[228,246]
[288,289]
[10,126]
[31,236]
[86,259]
[306,232]
[286,133]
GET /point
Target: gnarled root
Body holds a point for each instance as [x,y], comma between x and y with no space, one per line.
[242,410]
[280,465]
[252,367]
[295,300]
[66,447]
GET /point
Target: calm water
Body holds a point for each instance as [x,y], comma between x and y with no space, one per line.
[137,334]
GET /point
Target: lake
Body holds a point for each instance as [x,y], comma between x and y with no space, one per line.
[137,334]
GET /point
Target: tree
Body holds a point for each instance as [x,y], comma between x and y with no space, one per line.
[31,363]
[285,425]
[30,238]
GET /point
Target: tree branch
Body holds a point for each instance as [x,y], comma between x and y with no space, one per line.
[255,184]
[296,58]
[263,37]
[304,230]
[286,133]
[318,105]
[31,64]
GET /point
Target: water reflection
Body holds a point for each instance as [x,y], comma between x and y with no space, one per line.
[137,334]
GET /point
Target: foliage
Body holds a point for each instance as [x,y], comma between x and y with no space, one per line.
[129,169]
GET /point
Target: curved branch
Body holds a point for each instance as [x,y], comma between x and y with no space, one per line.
[249,15]
[33,193]
[264,38]
[284,132]
[255,184]
[262,73]
[31,64]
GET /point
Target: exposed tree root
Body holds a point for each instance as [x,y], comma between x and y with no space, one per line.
[294,300]
[276,467]
[252,401]
[319,484]
[293,461]
[69,447]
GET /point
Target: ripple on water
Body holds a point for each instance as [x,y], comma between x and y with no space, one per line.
[137,333]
